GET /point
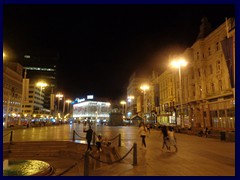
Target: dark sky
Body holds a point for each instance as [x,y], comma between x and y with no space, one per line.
[100,46]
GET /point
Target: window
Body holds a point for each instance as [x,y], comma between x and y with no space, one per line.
[200,88]
[218,65]
[197,55]
[217,46]
[212,86]
[199,72]
[220,85]
[193,90]
[210,69]
[209,51]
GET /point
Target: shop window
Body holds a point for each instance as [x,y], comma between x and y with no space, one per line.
[214,118]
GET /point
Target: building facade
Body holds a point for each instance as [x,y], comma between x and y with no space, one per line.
[135,96]
[207,83]
[92,110]
[12,92]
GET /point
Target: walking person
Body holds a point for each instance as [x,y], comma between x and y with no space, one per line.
[89,133]
[172,138]
[143,133]
[165,138]
[99,143]
[206,132]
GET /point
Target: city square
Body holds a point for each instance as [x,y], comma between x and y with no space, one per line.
[80,76]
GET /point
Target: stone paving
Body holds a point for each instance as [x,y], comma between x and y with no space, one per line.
[196,156]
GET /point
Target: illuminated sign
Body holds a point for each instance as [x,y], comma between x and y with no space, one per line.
[79,100]
[89,96]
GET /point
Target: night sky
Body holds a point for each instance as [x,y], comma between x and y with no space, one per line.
[100,46]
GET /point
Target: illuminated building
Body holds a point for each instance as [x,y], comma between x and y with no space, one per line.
[92,110]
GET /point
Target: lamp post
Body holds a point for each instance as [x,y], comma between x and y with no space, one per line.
[178,64]
[130,99]
[144,87]
[123,106]
[59,96]
[42,85]
[68,101]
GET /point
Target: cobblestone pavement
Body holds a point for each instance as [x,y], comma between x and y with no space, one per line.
[196,156]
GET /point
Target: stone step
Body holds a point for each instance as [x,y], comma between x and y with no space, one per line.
[55,150]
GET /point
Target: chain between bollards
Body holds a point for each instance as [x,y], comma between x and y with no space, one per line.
[135,154]
[119,141]
[73,135]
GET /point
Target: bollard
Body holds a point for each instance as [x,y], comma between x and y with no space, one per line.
[11,135]
[135,154]
[119,140]
[73,135]
[94,138]
[86,164]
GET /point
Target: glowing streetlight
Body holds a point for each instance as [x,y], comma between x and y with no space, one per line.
[68,101]
[144,87]
[178,64]
[42,85]
[59,96]
[130,98]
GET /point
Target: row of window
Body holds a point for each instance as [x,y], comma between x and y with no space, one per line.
[209,51]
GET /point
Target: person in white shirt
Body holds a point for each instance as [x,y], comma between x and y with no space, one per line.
[143,133]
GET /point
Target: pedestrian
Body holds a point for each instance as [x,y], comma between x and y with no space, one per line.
[172,138]
[143,133]
[89,133]
[165,138]
[206,132]
[99,143]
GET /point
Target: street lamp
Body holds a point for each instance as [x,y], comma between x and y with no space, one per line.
[42,85]
[123,104]
[68,101]
[178,64]
[59,96]
[144,87]
[129,107]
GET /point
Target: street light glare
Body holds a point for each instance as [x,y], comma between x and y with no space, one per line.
[144,87]
[123,102]
[68,101]
[179,62]
[41,84]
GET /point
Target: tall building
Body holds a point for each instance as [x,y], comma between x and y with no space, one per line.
[12,92]
[42,68]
